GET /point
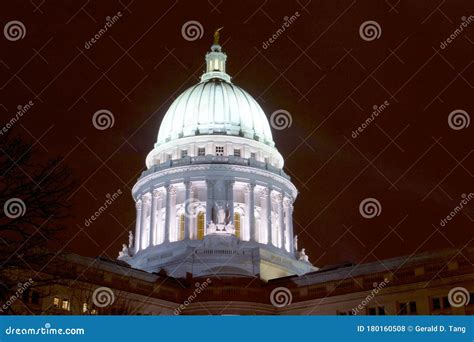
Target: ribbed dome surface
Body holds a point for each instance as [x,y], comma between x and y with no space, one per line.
[215,107]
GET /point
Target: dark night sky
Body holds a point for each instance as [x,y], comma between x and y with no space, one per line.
[320,70]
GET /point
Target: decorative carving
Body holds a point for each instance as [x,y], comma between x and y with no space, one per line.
[302,255]
[138,204]
[295,242]
[156,194]
[124,252]
[130,239]
[172,190]
[146,198]
[286,183]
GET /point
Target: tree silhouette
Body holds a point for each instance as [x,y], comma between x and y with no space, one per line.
[33,197]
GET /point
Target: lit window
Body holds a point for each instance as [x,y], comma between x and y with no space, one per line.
[184,153]
[219,150]
[181,227]
[237,225]
[200,226]
[201,151]
[236,153]
[84,307]
[65,305]
[252,155]
[56,302]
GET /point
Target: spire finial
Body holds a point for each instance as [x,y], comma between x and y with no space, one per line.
[216,36]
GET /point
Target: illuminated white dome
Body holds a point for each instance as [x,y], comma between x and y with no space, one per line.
[215,106]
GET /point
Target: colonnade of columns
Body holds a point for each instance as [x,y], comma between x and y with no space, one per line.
[267,215]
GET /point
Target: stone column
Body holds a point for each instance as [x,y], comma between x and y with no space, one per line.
[169,193]
[289,223]
[153,228]
[250,209]
[188,208]
[230,200]
[160,229]
[138,221]
[281,221]
[145,210]
[268,214]
[209,203]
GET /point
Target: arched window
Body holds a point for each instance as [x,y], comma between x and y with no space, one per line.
[200,226]
[237,225]
[181,227]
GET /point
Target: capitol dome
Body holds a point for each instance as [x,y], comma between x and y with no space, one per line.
[215,106]
[215,199]
[215,110]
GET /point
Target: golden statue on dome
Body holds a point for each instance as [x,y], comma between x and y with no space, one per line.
[216,36]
